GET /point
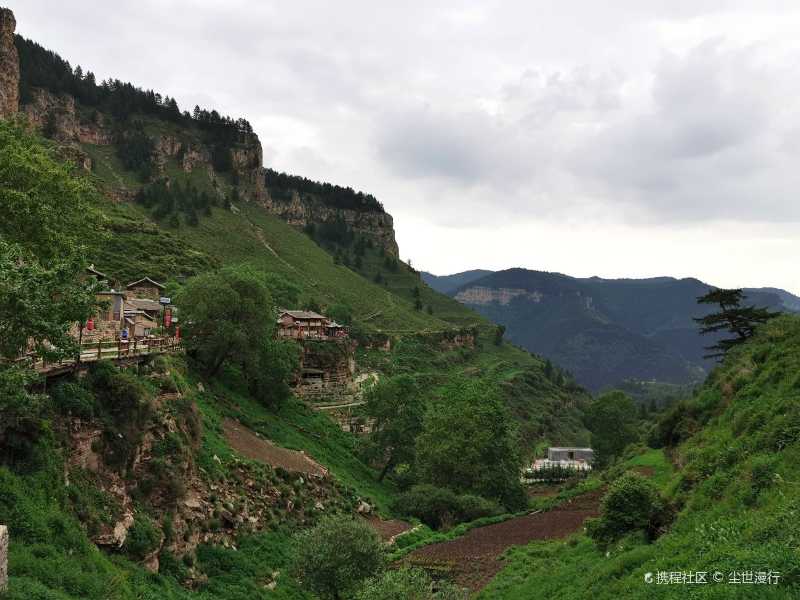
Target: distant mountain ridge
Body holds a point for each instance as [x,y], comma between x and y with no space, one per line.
[603,330]
[448,283]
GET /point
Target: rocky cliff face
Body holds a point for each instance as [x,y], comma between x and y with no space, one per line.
[299,212]
[9,65]
[247,161]
[174,488]
[60,117]
[480,295]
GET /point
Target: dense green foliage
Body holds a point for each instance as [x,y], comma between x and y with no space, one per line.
[612,419]
[733,318]
[468,443]
[281,186]
[46,223]
[135,149]
[43,208]
[335,556]
[396,406]
[167,201]
[229,320]
[21,416]
[440,507]
[408,584]
[632,503]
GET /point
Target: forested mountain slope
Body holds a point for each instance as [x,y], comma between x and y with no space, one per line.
[449,283]
[604,330]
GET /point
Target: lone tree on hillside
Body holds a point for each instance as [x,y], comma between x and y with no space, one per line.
[397,407]
[333,558]
[611,419]
[740,321]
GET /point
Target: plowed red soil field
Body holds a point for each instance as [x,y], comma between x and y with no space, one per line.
[387,529]
[248,444]
[473,559]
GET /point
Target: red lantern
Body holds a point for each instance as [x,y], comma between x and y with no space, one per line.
[90,325]
[177,333]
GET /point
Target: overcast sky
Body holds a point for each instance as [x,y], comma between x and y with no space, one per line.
[623,139]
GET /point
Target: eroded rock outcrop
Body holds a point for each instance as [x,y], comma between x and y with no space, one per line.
[300,211]
[163,483]
[481,295]
[9,65]
[59,119]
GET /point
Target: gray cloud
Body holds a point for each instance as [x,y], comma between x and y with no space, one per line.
[486,113]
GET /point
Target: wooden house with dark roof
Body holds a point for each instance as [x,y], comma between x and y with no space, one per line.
[303,324]
[145,288]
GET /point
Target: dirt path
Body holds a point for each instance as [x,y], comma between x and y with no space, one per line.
[474,559]
[248,444]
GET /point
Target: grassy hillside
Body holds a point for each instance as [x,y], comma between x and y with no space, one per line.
[736,449]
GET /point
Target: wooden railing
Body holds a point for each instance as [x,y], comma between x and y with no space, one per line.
[108,350]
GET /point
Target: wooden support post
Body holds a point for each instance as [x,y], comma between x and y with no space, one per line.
[3,559]
[99,350]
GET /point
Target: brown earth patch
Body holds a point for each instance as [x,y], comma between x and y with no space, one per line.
[543,491]
[643,470]
[474,559]
[387,529]
[248,444]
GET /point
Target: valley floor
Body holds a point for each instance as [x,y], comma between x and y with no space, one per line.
[475,558]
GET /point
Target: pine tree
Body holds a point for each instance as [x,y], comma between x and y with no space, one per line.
[741,321]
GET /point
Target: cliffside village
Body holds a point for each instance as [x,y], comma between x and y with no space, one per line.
[127,314]
[140,309]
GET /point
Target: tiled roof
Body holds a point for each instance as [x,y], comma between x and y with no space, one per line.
[144,304]
[145,280]
[302,314]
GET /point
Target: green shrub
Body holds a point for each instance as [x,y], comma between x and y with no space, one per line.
[22,416]
[434,506]
[123,403]
[168,564]
[143,537]
[71,398]
[408,584]
[471,507]
[440,507]
[762,476]
[334,557]
[632,503]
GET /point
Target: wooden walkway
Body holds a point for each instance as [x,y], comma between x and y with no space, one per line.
[115,350]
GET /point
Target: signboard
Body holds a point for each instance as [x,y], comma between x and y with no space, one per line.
[164,300]
[167,318]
